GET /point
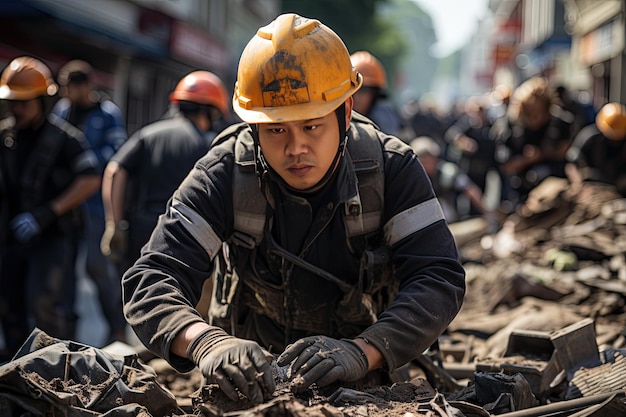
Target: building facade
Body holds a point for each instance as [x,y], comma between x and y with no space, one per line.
[139,48]
[576,43]
[598,43]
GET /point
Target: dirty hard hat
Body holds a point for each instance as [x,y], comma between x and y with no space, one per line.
[611,121]
[26,78]
[295,68]
[371,68]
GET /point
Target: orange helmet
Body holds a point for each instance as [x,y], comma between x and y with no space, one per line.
[295,68]
[202,87]
[611,120]
[370,67]
[26,78]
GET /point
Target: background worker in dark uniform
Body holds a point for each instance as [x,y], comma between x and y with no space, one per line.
[598,153]
[448,179]
[102,123]
[49,170]
[282,190]
[371,100]
[143,174]
[538,137]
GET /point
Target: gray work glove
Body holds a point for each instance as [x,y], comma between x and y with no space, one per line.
[233,363]
[323,360]
[29,224]
[114,242]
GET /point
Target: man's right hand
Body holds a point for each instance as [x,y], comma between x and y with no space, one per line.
[233,363]
[114,243]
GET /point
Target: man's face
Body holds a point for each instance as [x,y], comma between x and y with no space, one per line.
[301,152]
[363,100]
[78,93]
[535,114]
[26,112]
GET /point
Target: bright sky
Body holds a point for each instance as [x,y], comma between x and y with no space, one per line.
[454,21]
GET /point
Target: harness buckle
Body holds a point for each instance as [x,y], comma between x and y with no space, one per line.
[243,240]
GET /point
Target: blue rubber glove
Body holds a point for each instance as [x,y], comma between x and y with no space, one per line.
[323,360]
[28,225]
[233,363]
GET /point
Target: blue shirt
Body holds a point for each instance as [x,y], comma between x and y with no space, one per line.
[104,129]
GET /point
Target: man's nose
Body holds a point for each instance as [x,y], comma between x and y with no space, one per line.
[297,143]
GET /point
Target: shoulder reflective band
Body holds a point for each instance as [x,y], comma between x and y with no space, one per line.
[412,220]
[199,228]
[87,159]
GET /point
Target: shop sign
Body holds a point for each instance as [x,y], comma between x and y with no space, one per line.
[604,43]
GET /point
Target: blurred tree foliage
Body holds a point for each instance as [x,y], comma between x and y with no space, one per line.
[359,26]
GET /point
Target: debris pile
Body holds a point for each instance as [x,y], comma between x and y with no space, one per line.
[541,331]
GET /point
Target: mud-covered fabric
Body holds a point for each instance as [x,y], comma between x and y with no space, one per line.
[52,377]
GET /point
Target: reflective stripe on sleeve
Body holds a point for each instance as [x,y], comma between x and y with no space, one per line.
[412,220]
[199,228]
[85,160]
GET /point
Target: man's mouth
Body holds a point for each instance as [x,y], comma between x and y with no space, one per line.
[299,169]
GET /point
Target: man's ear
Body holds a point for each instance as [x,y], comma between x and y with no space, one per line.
[349,104]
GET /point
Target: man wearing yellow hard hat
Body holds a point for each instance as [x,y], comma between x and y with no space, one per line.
[326,244]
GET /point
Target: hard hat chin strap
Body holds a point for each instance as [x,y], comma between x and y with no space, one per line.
[262,167]
[340,112]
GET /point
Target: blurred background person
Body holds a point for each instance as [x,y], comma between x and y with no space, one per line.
[472,145]
[582,110]
[424,118]
[102,123]
[372,100]
[49,171]
[499,98]
[536,141]
[599,151]
[448,179]
[141,177]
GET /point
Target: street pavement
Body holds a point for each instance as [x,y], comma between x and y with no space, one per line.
[91,329]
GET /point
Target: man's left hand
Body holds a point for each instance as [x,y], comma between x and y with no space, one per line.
[323,360]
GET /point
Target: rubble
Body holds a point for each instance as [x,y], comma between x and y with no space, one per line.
[543,321]
[541,332]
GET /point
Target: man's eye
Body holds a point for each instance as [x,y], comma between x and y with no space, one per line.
[276,130]
[311,127]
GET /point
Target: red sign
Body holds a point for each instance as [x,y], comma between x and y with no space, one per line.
[506,40]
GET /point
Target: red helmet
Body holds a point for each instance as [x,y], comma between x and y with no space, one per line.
[202,87]
[26,78]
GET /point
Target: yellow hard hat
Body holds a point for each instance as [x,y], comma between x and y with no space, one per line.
[295,68]
[370,67]
[26,78]
[611,120]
